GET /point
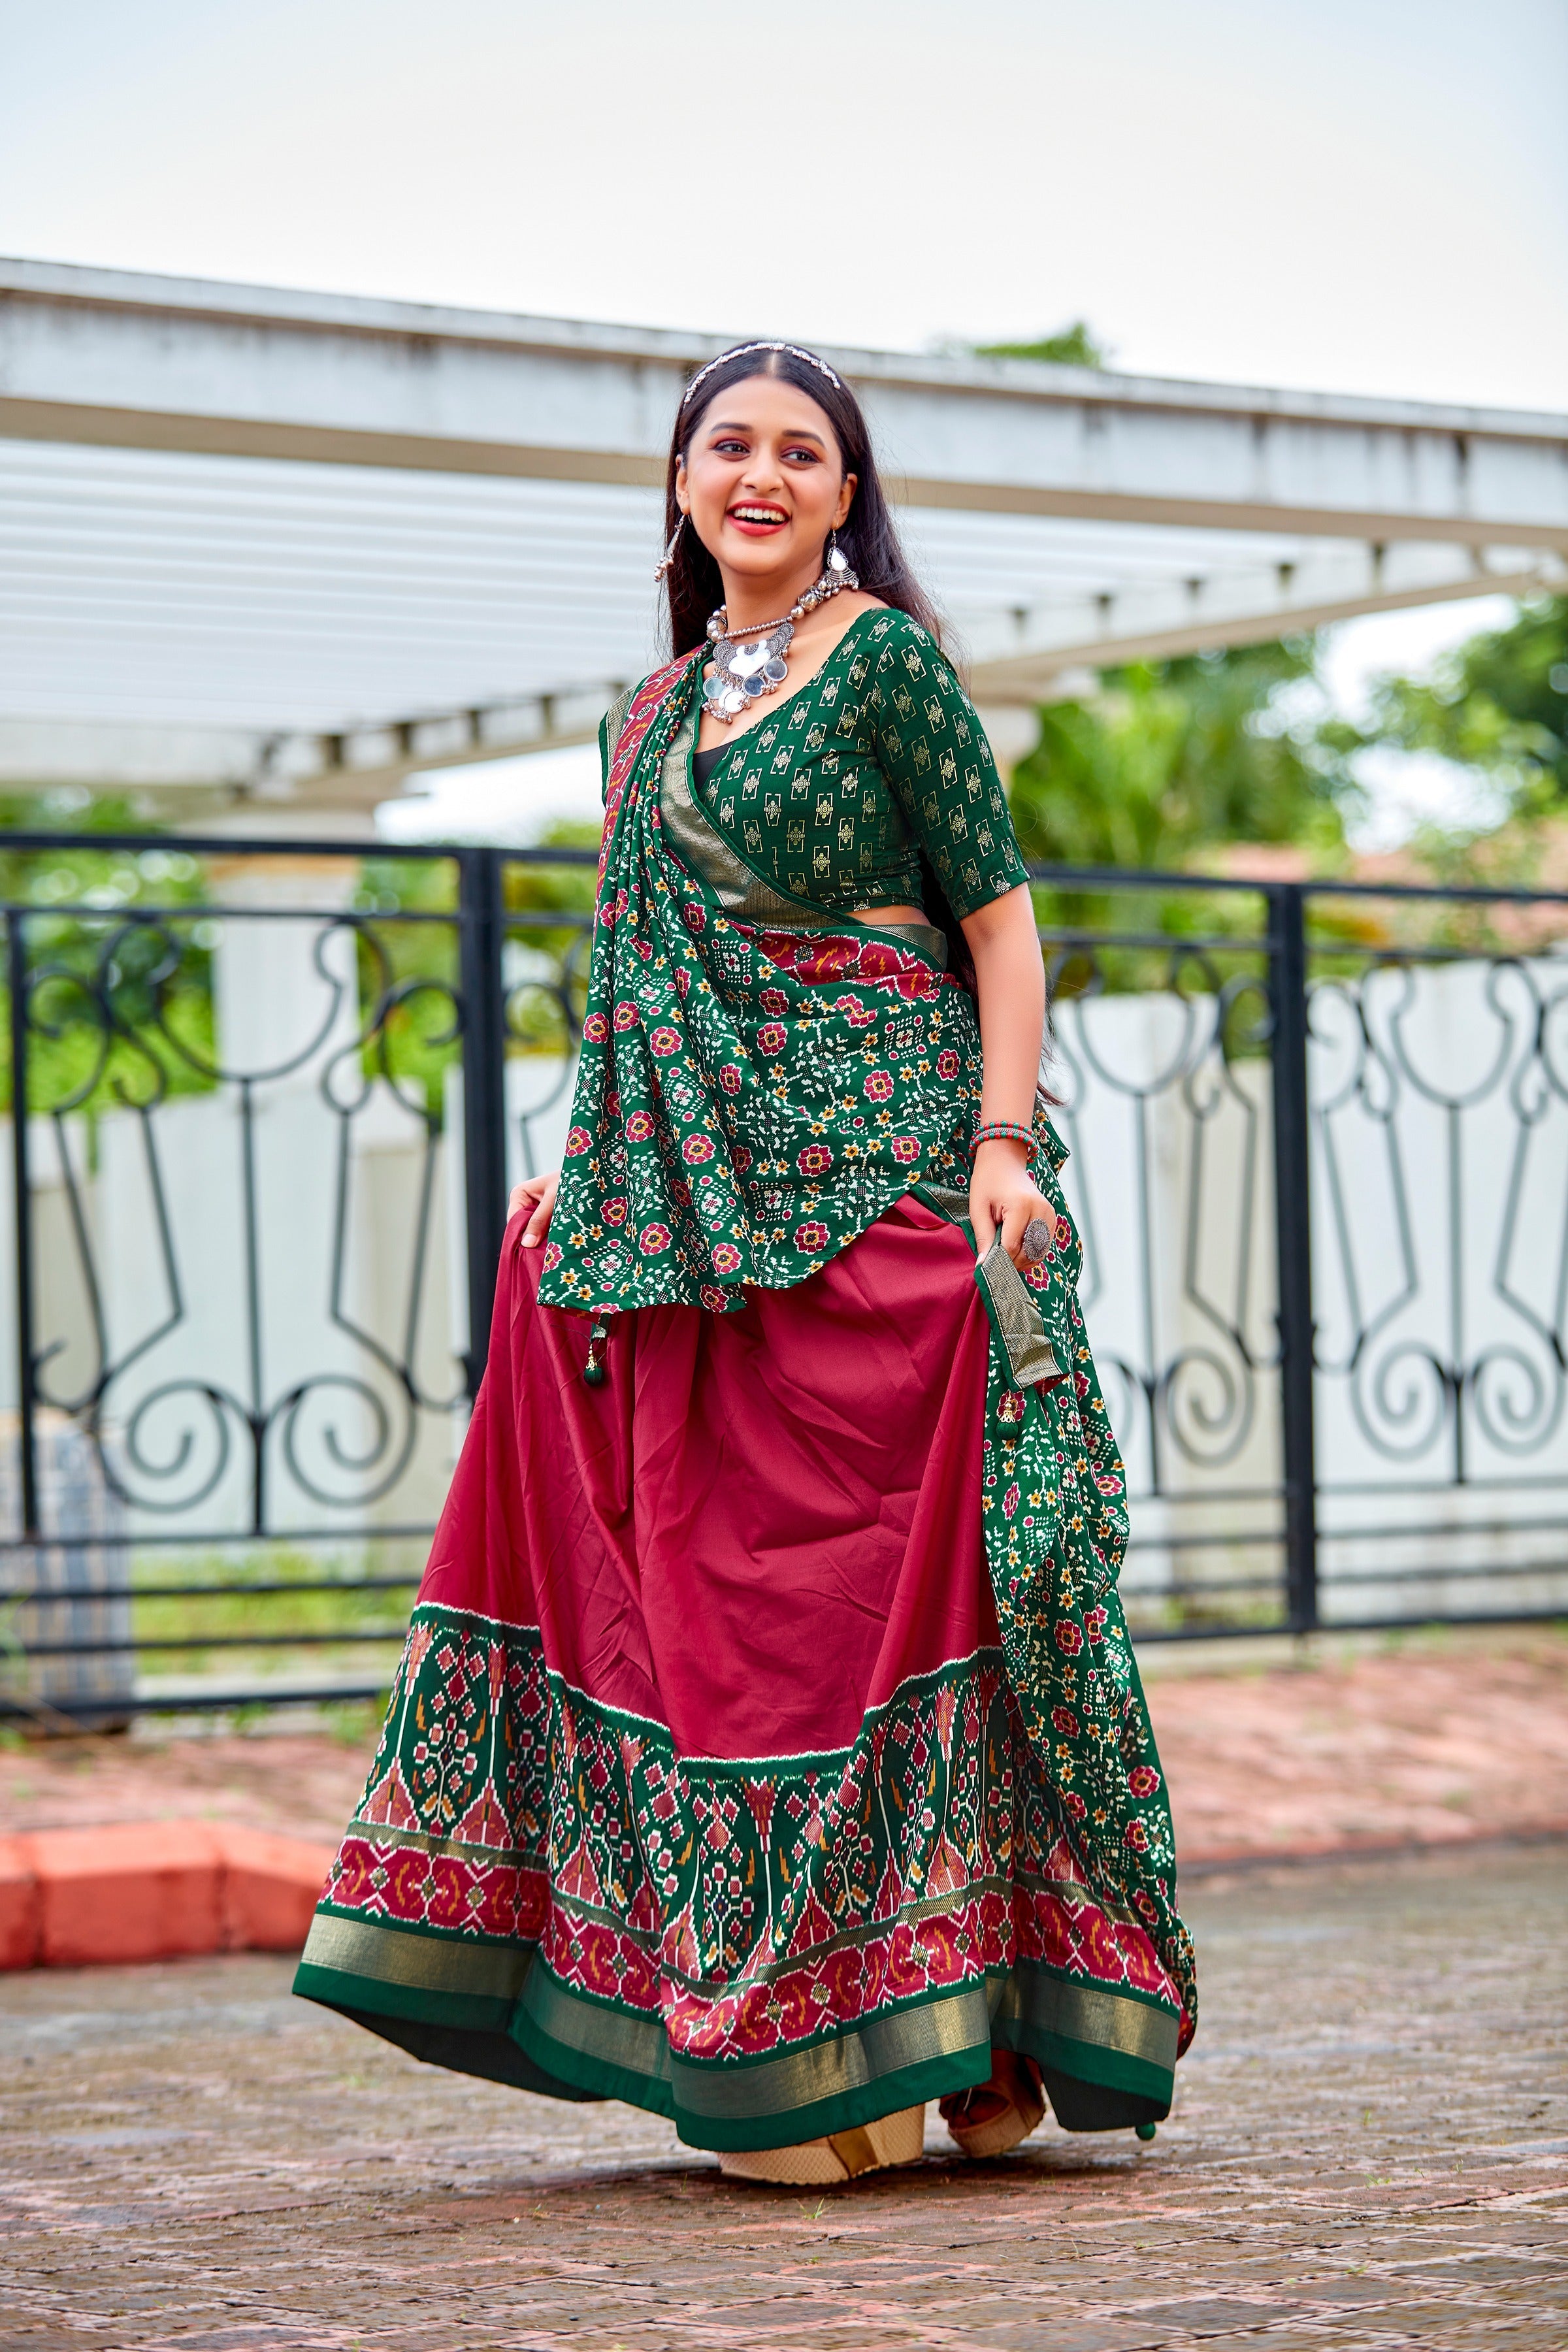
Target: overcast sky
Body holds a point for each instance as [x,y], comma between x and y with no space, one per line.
[1357,194]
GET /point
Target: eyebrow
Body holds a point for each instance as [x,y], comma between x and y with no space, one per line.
[794,433]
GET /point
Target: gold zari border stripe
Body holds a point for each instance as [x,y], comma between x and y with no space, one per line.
[935,2029]
[637,2045]
[1081,2012]
[930,2030]
[365,1947]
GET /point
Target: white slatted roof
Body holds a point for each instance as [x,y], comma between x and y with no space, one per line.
[247,571]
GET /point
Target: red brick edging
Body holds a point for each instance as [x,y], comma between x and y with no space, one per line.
[151,1890]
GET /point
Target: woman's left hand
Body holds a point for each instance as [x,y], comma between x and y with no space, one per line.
[1003,1198]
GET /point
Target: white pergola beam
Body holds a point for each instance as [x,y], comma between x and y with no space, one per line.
[1160,619]
[100,356]
[357,768]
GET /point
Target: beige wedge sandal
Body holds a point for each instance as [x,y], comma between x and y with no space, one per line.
[842,2156]
[997,2116]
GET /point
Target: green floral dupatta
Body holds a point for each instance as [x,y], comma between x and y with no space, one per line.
[743,1109]
[748,1102]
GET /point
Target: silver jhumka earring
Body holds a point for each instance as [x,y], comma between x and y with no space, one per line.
[666,560]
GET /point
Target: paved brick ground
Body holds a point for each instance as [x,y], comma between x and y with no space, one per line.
[1370,2150]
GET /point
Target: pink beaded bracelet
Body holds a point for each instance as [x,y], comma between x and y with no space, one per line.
[1004,1130]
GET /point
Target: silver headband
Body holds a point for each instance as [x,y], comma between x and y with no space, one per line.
[739,351]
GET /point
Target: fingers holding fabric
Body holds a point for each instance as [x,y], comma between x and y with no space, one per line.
[1027,1229]
[1005,1203]
[535,1194]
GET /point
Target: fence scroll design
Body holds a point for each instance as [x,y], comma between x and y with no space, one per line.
[1319,1148]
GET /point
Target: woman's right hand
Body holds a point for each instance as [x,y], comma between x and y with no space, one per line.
[538,1194]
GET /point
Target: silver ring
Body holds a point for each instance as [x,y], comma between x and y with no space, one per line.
[1036,1239]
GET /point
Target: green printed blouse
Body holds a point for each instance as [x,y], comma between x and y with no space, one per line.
[831,797]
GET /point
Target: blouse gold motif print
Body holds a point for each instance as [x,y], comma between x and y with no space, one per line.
[877,757]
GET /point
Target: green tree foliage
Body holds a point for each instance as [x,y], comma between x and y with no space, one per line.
[1498,703]
[1074,346]
[1166,766]
[408,968]
[120,945]
[1172,759]
[120,1010]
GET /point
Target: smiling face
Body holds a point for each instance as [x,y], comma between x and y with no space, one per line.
[763,482]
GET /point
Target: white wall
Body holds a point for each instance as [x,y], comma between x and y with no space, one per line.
[1167,1143]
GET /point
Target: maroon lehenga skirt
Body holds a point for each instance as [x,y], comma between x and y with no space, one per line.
[702,1785]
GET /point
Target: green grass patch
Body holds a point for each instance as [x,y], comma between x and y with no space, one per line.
[278,1609]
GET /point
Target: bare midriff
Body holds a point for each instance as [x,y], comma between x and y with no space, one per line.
[889,915]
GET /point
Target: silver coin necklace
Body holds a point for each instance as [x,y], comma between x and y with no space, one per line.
[754,662]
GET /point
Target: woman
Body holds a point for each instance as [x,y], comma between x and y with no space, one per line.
[767,1749]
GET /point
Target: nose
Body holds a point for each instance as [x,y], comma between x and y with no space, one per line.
[763,474]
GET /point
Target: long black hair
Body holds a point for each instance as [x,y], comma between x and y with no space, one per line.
[868,537]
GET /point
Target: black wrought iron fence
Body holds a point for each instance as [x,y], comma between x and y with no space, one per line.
[1320,1161]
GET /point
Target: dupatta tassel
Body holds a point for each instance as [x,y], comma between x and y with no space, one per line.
[595,1371]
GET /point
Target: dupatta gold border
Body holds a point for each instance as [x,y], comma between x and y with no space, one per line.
[1015,1317]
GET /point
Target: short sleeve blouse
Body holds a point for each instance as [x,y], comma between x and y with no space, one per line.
[880,755]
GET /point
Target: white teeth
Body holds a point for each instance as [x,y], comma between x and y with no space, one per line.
[756,514]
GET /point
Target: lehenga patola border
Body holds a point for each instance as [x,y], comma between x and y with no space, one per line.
[749,1948]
